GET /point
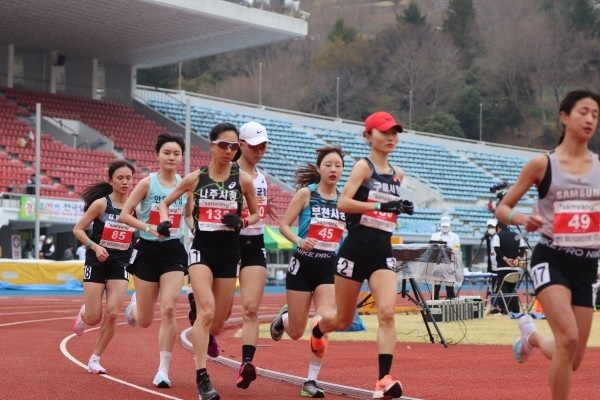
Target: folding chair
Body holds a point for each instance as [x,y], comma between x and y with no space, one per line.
[501,294]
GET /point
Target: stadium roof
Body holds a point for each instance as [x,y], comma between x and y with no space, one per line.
[144,33]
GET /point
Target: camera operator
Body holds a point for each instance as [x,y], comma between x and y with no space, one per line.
[508,256]
[452,240]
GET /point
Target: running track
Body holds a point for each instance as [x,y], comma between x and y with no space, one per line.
[43,359]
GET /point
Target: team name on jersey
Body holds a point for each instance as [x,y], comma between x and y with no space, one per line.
[582,193]
[158,199]
[386,188]
[112,217]
[220,194]
[327,212]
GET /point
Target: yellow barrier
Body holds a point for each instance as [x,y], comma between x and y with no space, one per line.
[42,272]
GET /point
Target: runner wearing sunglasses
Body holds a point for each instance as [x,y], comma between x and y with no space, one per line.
[219,191]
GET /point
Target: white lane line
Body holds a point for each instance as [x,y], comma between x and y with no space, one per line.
[65,352]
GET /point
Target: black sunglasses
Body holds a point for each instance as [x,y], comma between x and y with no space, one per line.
[224,145]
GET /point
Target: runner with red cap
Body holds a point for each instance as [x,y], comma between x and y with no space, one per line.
[371,201]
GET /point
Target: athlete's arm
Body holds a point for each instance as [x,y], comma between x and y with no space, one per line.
[95,210]
[137,195]
[297,204]
[250,197]
[360,173]
[187,184]
[531,174]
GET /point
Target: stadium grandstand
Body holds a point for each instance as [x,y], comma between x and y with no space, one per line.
[80,63]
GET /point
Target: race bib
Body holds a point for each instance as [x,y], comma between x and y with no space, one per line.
[261,202]
[577,223]
[210,213]
[540,274]
[175,213]
[116,236]
[326,232]
[384,221]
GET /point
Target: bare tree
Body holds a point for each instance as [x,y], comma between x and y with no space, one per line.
[426,62]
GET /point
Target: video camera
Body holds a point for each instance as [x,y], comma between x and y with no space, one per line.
[500,189]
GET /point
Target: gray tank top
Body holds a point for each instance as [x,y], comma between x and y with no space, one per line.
[571,207]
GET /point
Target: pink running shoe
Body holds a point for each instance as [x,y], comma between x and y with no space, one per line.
[78,324]
[213,347]
[246,375]
[387,388]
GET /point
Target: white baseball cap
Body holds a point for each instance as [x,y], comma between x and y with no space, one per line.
[253,133]
[492,222]
[445,221]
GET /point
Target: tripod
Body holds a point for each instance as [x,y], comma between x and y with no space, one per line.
[420,302]
[473,260]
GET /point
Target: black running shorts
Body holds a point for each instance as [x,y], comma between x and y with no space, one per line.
[357,259]
[102,272]
[253,251]
[572,267]
[151,259]
[309,269]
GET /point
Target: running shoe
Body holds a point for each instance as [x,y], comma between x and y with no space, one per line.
[310,389]
[318,346]
[192,312]
[206,391]
[521,348]
[129,311]
[94,366]
[246,374]
[277,327]
[387,388]
[213,347]
[161,380]
[78,324]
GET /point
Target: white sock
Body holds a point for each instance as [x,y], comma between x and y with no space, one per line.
[95,358]
[313,371]
[165,360]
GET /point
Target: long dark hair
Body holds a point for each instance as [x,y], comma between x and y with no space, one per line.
[569,101]
[309,173]
[99,190]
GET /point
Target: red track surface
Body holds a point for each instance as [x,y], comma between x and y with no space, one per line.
[42,359]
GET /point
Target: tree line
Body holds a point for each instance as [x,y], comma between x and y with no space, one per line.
[486,68]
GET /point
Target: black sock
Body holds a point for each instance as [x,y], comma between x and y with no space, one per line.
[248,352]
[385,364]
[201,374]
[317,332]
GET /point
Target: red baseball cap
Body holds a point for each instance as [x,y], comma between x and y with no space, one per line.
[381,121]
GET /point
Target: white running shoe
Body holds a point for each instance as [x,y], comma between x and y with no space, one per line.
[161,380]
[521,348]
[129,311]
[94,366]
[78,324]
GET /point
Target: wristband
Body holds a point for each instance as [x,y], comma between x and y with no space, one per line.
[377,206]
[89,244]
[147,228]
[511,215]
